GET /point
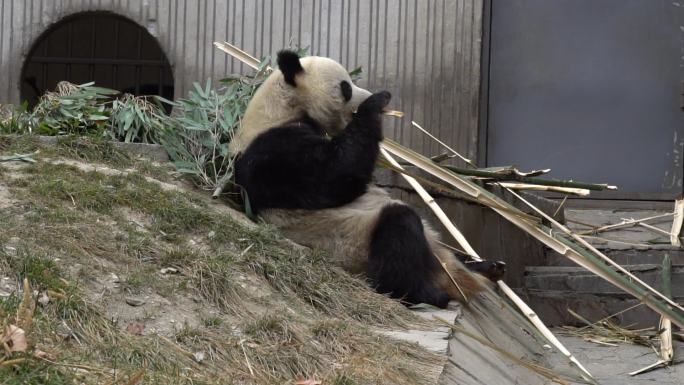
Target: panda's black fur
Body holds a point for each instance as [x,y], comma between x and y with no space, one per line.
[296,166]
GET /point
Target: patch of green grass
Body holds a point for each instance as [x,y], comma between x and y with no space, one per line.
[9,306]
[269,327]
[136,281]
[157,171]
[59,185]
[92,149]
[42,271]
[35,373]
[212,321]
[87,148]
[342,379]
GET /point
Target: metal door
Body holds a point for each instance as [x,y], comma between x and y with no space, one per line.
[591,89]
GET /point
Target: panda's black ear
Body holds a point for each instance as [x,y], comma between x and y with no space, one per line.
[289,65]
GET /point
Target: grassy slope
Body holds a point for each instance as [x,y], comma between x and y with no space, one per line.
[253,307]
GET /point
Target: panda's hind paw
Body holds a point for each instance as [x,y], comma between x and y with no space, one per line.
[492,270]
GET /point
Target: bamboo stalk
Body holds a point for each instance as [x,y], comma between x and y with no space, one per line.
[239,54]
[442,143]
[677,223]
[527,186]
[654,229]
[628,223]
[447,191]
[463,242]
[531,180]
[656,365]
[666,348]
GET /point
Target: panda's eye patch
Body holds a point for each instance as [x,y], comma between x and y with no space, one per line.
[346,90]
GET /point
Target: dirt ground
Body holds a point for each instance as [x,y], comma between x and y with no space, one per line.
[612,365]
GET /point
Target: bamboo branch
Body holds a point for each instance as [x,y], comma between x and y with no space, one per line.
[28,158]
[416,125]
[239,54]
[526,186]
[625,223]
[531,180]
[654,229]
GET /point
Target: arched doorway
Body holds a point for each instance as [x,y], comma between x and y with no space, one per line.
[103,47]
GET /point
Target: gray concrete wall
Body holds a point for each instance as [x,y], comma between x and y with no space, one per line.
[426,52]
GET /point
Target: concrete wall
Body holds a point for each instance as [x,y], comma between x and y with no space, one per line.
[427,53]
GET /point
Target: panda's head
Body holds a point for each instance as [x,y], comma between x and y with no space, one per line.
[313,87]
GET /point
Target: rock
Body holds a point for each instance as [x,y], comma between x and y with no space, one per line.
[44,299]
[133,301]
[169,270]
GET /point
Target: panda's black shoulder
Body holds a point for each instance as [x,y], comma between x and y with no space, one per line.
[287,137]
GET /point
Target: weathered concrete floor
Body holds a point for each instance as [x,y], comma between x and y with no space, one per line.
[611,365]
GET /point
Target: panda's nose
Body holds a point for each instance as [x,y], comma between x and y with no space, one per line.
[358,96]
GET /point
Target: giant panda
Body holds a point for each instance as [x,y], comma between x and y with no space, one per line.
[306,150]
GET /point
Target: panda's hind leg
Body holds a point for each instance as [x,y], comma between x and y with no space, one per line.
[401,262]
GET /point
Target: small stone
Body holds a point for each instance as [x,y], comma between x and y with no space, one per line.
[169,270]
[199,356]
[133,301]
[211,234]
[44,299]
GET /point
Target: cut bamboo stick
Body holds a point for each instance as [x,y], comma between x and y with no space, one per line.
[240,55]
[654,229]
[535,187]
[463,242]
[666,348]
[677,223]
[416,125]
[485,174]
[626,223]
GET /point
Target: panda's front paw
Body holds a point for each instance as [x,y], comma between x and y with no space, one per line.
[375,103]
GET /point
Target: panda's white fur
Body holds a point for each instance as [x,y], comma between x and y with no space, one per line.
[344,231]
[274,103]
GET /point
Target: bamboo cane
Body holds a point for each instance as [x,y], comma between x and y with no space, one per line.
[526,186]
[654,229]
[677,222]
[624,223]
[666,348]
[463,242]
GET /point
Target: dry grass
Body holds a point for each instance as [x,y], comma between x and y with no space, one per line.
[259,309]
